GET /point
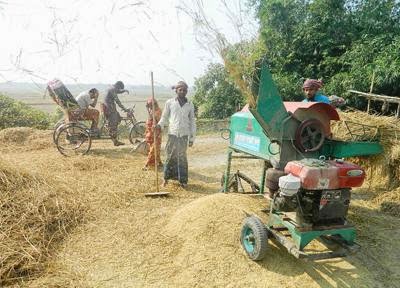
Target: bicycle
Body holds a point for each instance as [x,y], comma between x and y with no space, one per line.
[76,138]
[136,128]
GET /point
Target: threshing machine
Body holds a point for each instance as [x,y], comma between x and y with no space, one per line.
[304,170]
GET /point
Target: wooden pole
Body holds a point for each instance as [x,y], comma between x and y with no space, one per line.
[154,132]
[371,88]
[372,82]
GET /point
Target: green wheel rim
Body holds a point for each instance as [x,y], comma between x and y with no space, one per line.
[248,240]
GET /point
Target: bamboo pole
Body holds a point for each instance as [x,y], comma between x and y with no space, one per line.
[371,88]
[372,96]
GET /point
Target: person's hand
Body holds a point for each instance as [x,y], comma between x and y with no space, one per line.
[190,143]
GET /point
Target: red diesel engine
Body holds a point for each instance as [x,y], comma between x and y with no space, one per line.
[318,190]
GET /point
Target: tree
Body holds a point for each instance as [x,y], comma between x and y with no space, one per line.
[342,42]
[216,95]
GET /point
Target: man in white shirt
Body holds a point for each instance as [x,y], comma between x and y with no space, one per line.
[87,100]
[178,113]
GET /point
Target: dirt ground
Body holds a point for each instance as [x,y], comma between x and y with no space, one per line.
[190,239]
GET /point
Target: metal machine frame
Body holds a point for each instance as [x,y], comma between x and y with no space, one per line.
[270,132]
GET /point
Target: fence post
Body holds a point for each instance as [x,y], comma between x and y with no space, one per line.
[371,88]
[369,104]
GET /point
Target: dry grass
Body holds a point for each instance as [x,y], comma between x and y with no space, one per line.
[389,202]
[24,138]
[384,169]
[35,215]
[190,239]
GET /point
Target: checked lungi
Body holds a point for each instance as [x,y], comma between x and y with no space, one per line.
[176,164]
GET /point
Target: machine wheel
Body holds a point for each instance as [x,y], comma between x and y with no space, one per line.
[254,238]
[73,139]
[137,132]
[310,135]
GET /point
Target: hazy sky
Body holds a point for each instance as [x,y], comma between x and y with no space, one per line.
[92,41]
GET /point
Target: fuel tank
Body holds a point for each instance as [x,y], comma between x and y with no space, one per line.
[318,174]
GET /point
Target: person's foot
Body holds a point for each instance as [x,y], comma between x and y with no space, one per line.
[164,183]
[183,185]
[145,168]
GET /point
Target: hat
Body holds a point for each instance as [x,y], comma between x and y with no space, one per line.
[313,84]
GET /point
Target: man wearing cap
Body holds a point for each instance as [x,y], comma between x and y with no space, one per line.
[178,113]
[311,90]
[87,100]
[110,110]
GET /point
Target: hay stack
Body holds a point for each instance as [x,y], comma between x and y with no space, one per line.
[26,138]
[34,217]
[383,170]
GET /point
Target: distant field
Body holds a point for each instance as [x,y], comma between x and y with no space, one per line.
[36,98]
[47,105]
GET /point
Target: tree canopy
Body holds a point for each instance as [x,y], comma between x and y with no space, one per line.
[342,42]
[216,95]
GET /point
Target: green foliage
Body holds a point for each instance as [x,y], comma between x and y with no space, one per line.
[240,62]
[57,115]
[17,114]
[216,96]
[342,42]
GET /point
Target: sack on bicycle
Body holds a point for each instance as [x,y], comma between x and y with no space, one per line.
[61,95]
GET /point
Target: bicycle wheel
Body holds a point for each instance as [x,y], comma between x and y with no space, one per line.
[73,139]
[56,126]
[137,132]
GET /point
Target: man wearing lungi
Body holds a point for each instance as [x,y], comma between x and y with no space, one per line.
[111,101]
[178,113]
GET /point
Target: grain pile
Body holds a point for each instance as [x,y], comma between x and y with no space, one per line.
[209,220]
[34,216]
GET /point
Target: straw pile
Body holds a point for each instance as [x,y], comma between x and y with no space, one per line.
[26,138]
[383,171]
[34,216]
[389,202]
